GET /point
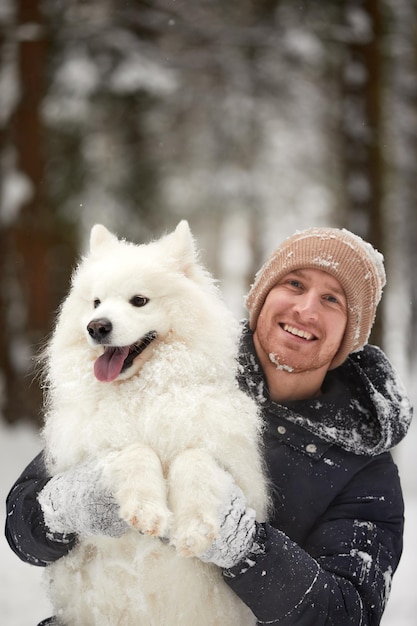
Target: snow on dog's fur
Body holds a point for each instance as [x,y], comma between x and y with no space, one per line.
[141,376]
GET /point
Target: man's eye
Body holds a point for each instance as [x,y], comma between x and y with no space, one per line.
[139,301]
[294,283]
[96,303]
[332,299]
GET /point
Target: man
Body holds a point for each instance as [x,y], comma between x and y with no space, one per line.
[333,408]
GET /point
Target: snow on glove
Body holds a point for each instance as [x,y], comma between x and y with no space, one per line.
[237,532]
[77,502]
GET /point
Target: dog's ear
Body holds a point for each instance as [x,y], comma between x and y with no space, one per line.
[100,237]
[183,250]
[182,247]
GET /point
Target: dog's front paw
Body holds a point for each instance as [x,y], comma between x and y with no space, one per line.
[195,537]
[134,474]
[149,518]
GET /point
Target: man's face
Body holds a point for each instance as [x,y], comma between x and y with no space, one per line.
[302,322]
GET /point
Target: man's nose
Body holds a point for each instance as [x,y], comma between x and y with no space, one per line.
[307,305]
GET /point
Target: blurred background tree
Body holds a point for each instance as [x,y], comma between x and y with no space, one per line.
[250,118]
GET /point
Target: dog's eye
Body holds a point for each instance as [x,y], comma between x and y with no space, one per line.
[139,301]
[96,303]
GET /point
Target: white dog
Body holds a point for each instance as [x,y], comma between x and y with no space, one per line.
[141,374]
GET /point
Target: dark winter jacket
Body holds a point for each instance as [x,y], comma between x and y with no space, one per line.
[327,555]
[334,539]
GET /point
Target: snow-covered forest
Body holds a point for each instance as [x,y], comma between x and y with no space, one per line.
[249,118]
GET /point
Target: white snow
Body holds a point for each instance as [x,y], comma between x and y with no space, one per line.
[136,72]
[17,191]
[23,600]
[280,366]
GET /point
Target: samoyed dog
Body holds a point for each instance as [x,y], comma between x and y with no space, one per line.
[141,376]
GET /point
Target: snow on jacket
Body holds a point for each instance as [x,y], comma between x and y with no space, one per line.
[334,538]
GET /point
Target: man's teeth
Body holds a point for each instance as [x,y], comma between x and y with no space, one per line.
[299,333]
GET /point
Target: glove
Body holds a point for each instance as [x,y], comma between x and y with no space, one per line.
[238,530]
[77,502]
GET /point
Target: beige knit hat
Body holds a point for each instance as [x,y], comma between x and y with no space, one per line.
[357,266]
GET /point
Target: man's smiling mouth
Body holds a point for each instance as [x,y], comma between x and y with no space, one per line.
[298,332]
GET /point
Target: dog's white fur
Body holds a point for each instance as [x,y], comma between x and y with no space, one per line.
[169,432]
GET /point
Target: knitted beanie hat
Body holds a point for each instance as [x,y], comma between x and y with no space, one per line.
[357,266]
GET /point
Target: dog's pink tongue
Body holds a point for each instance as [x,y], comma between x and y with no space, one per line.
[109,365]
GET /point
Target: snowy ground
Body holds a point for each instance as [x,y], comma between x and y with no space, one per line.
[23,600]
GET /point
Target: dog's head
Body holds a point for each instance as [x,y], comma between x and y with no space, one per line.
[133,297]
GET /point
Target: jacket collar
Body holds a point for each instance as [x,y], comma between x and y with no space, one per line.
[364,407]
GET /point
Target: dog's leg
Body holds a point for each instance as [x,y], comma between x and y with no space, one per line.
[136,479]
[197,489]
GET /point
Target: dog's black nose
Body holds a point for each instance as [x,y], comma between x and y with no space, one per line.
[99,329]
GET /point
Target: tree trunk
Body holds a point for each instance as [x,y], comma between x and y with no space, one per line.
[362,130]
[34,249]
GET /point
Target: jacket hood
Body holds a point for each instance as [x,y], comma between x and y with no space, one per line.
[364,407]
